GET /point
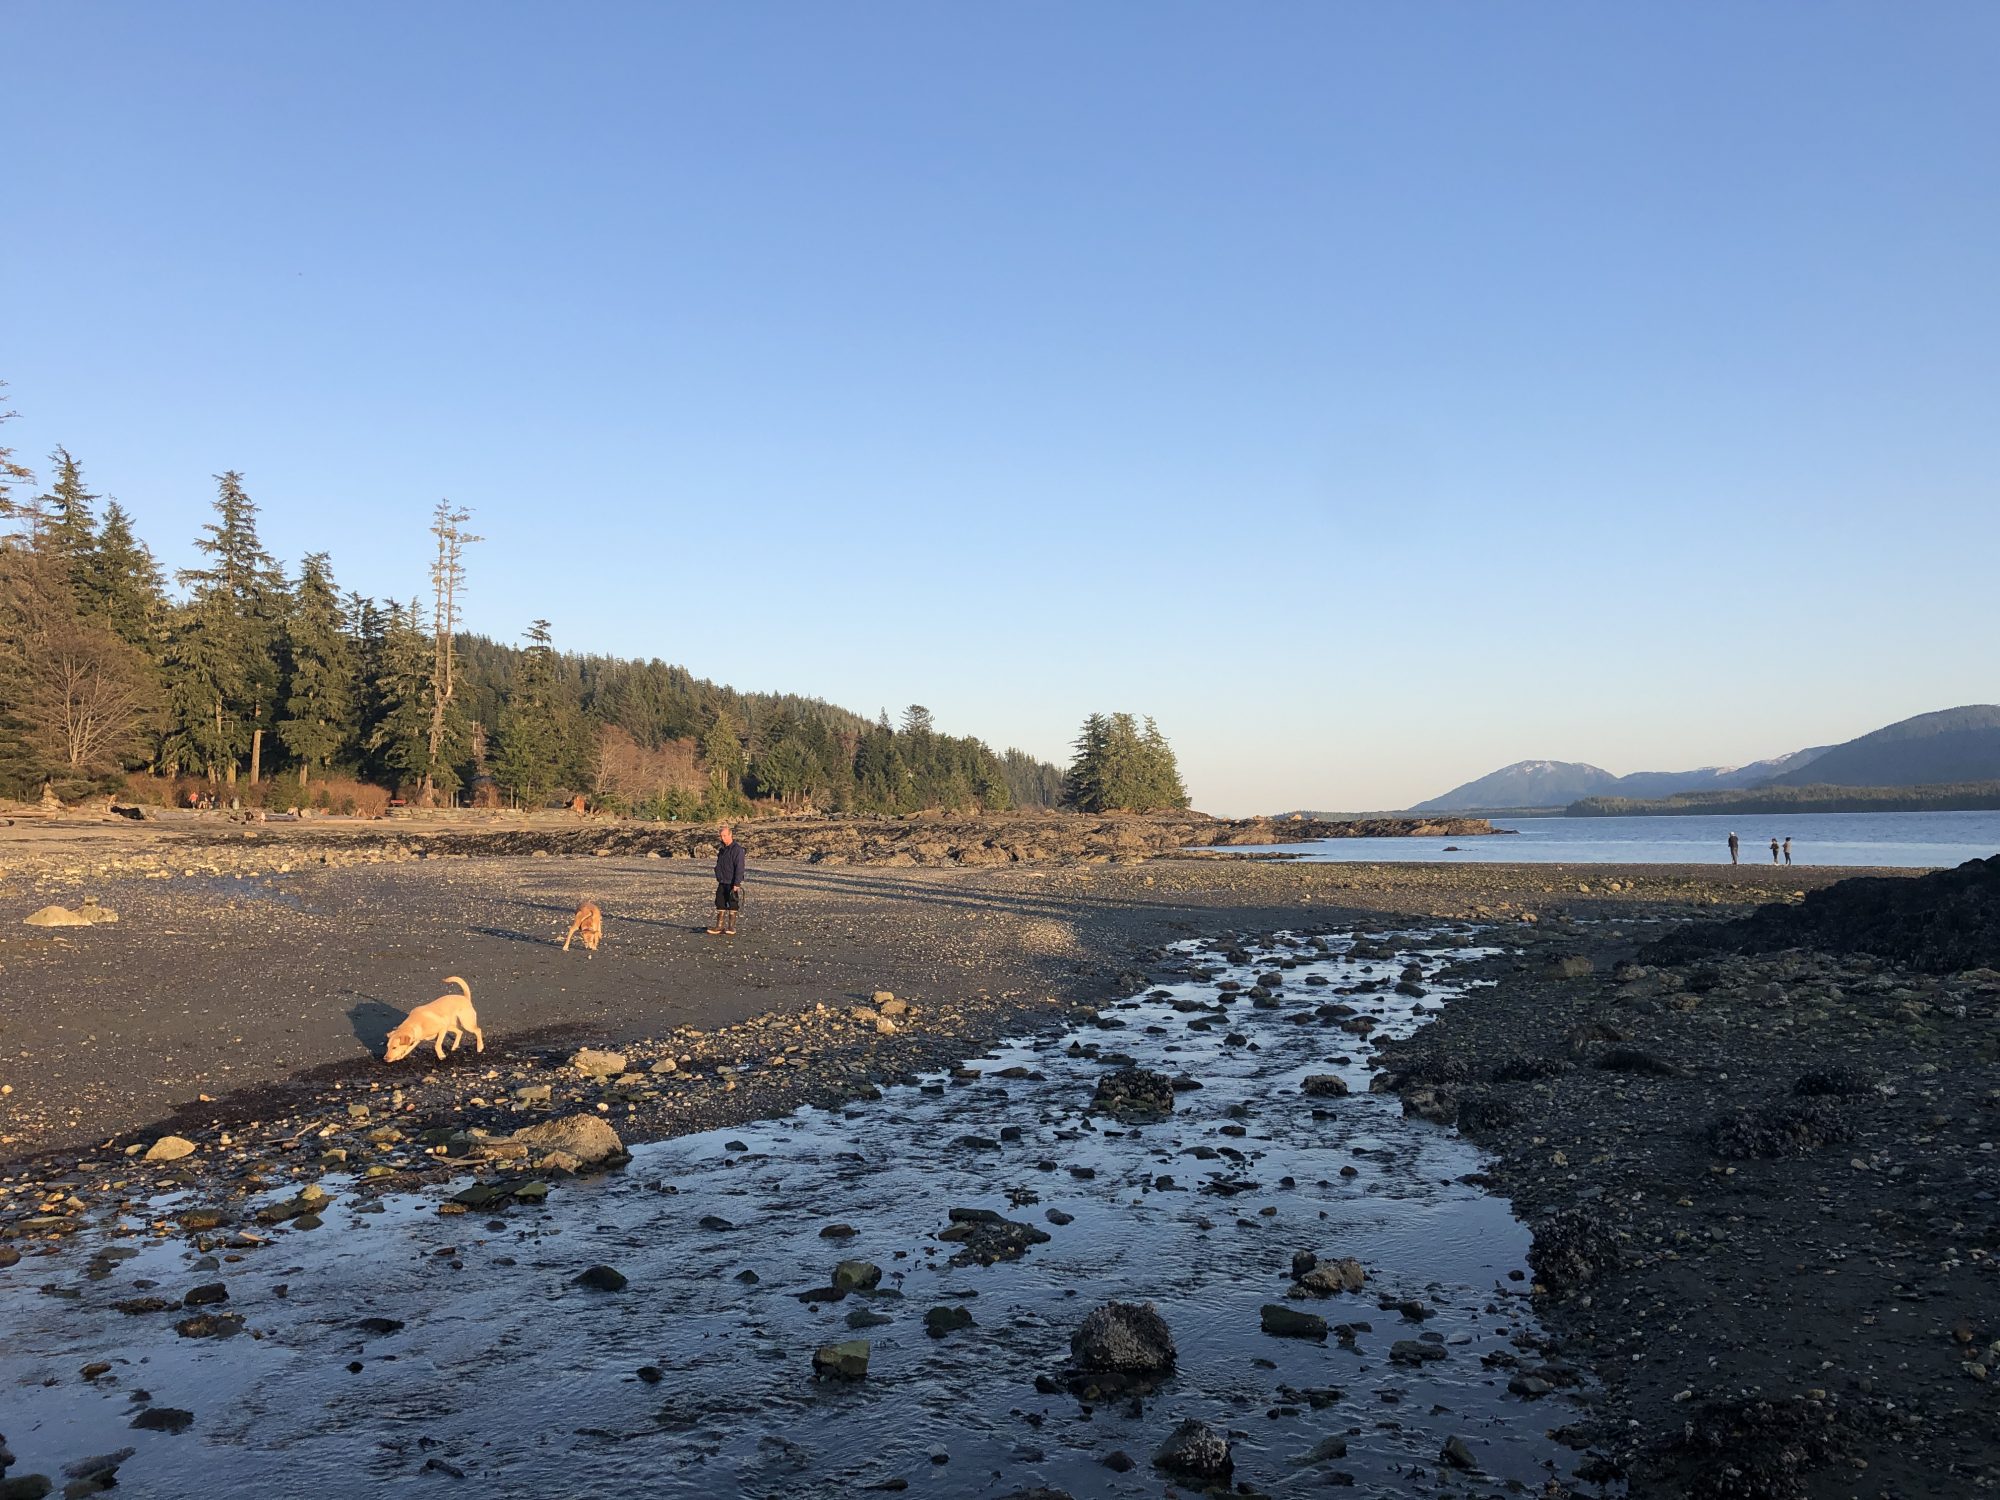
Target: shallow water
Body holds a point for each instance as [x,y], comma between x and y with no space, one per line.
[527,1385]
[1922,840]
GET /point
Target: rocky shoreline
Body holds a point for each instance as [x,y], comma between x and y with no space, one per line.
[925,840]
[1764,1184]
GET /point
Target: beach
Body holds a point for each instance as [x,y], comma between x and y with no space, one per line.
[1798,1309]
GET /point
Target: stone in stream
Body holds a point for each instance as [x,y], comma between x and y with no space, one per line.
[600,1279]
[164,1419]
[206,1295]
[939,1321]
[1195,1450]
[587,1138]
[1457,1454]
[856,1276]
[1314,1277]
[210,1326]
[1325,1451]
[846,1361]
[1124,1338]
[1415,1352]
[25,1487]
[1285,1322]
[1323,1086]
[1133,1096]
[984,1237]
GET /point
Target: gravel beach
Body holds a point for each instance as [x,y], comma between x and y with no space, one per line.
[1762,1183]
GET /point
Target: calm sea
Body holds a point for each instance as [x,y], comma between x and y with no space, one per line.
[1907,839]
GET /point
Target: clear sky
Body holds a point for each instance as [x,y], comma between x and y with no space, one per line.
[1374,393]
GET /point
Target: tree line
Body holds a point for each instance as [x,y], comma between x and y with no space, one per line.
[267,686]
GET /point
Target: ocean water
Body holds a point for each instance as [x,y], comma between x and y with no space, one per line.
[1917,840]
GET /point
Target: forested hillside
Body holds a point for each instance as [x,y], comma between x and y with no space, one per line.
[276,687]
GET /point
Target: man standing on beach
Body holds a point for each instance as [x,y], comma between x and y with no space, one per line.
[1734,846]
[729,881]
[1788,851]
[1774,851]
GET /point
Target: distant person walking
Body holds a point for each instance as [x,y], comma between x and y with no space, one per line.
[1735,848]
[1774,851]
[1788,851]
[729,881]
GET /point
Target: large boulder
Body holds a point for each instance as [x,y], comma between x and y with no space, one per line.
[1124,1338]
[588,1139]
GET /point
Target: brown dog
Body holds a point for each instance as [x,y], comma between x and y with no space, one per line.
[448,1015]
[588,924]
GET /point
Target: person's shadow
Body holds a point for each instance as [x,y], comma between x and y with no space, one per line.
[372,1021]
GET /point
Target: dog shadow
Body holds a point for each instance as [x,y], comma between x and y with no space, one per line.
[372,1021]
[510,935]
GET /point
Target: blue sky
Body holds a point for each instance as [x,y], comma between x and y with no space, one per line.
[1376,394]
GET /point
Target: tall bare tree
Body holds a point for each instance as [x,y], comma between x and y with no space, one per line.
[447,587]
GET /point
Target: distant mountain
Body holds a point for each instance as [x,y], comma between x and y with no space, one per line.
[1953,745]
[1527,783]
[1557,783]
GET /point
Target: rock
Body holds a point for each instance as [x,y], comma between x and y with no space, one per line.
[985,1238]
[1124,1338]
[587,1138]
[857,1276]
[534,1093]
[170,1148]
[1326,1450]
[1324,1086]
[25,1487]
[206,1295]
[940,1321]
[1782,1127]
[1572,966]
[1134,1096]
[1285,1322]
[892,1007]
[1415,1352]
[838,1232]
[1195,1450]
[163,1419]
[848,1361]
[600,1279]
[210,1326]
[1572,1248]
[100,1467]
[1456,1454]
[56,916]
[597,1064]
[1327,1278]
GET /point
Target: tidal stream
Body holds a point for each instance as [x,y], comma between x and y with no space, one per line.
[395,1349]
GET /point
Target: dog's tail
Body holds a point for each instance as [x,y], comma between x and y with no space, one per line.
[454,979]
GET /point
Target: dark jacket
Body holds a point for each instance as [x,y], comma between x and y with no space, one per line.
[729,865]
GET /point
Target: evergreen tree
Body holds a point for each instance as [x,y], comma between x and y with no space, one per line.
[71,533]
[533,753]
[722,757]
[119,584]
[21,520]
[221,662]
[1121,768]
[400,735]
[322,718]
